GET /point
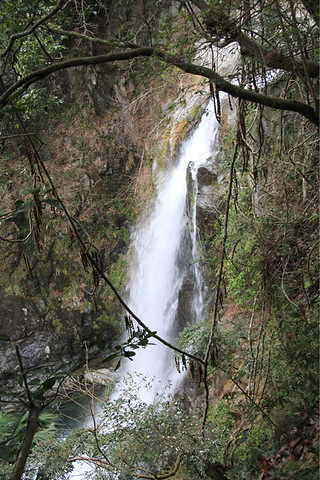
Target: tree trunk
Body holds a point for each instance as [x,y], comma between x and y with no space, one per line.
[33,421]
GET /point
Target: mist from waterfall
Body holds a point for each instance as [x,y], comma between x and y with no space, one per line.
[157,273]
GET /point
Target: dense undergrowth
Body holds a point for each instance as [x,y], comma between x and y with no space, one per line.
[267,336]
[98,135]
[263,384]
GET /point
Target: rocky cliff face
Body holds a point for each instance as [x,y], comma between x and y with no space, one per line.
[100,153]
[100,149]
[209,206]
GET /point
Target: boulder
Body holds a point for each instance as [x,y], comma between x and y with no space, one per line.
[210,196]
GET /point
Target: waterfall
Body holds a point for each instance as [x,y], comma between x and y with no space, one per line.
[160,265]
[157,273]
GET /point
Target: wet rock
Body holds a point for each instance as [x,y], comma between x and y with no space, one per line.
[42,343]
[185,309]
[102,376]
[210,197]
[19,317]
[207,176]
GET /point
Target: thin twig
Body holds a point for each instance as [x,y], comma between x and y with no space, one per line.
[24,376]
[250,398]
[215,310]
[93,261]
[282,284]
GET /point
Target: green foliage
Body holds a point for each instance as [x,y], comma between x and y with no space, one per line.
[31,104]
[258,440]
[133,435]
[194,338]
[221,418]
[9,438]
[49,459]
[29,53]
[112,310]
[12,432]
[294,363]
[137,339]
[244,281]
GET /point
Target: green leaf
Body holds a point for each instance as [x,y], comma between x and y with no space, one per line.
[129,354]
[35,381]
[4,338]
[39,370]
[111,357]
[49,383]
[8,110]
[38,395]
[118,365]
[28,206]
[52,202]
[138,334]
[151,334]
[25,208]
[34,190]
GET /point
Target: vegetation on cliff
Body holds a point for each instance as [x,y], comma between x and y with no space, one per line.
[82,86]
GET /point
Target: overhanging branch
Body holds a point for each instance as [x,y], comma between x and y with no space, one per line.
[271,57]
[234,90]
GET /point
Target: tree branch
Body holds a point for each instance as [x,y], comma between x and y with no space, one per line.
[32,425]
[14,37]
[33,421]
[271,58]
[151,476]
[188,67]
[275,58]
[249,47]
[215,309]
[87,38]
[24,376]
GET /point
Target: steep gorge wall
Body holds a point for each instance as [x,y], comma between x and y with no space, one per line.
[114,131]
[99,149]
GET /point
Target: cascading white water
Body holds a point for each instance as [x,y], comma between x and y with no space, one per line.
[156,278]
[157,274]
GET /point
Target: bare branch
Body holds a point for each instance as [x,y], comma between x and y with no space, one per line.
[32,425]
[150,476]
[272,57]
[24,376]
[188,67]
[215,309]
